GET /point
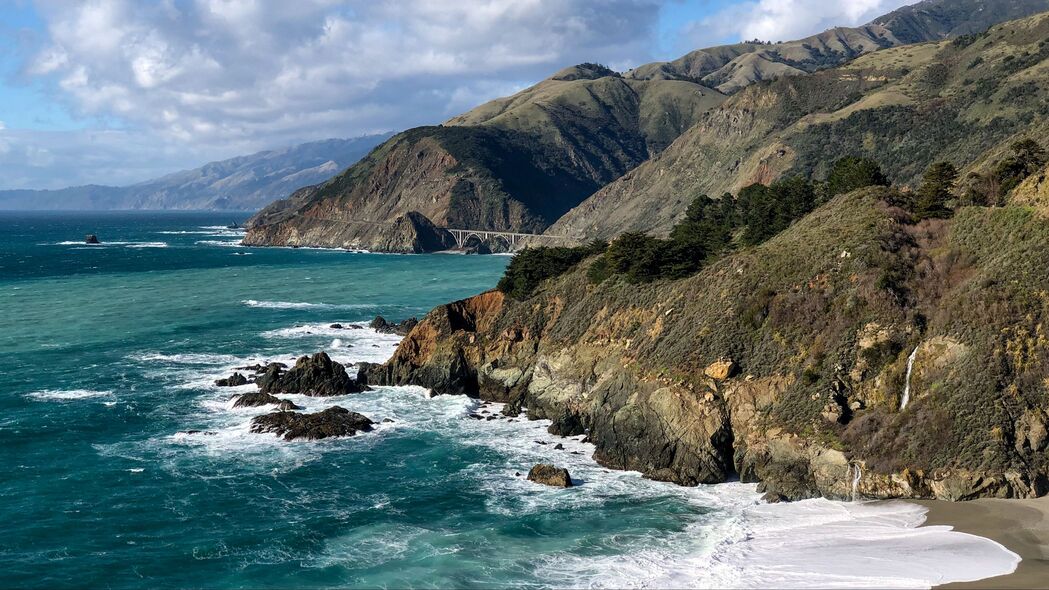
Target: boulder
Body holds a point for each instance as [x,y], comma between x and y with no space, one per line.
[234,380]
[91,239]
[333,422]
[721,369]
[336,326]
[550,475]
[379,324]
[317,376]
[257,398]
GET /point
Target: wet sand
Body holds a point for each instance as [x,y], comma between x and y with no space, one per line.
[1020,525]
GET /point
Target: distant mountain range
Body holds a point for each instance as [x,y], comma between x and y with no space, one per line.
[244,183]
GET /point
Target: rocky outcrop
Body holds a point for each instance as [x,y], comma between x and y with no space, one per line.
[91,239]
[234,380]
[257,398]
[550,475]
[809,404]
[379,324]
[332,422]
[317,376]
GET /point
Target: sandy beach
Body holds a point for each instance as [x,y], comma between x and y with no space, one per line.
[1020,525]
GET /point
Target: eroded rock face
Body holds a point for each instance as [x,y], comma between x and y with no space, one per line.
[317,376]
[333,422]
[550,475]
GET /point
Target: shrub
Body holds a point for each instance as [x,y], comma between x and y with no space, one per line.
[851,173]
[530,267]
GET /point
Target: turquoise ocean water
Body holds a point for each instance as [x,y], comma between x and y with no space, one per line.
[109,353]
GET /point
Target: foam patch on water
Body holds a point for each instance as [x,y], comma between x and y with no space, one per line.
[107,243]
[304,305]
[67,394]
[809,544]
[221,243]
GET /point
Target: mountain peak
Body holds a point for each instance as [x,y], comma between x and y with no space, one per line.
[584,71]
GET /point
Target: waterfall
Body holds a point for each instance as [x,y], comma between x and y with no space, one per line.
[907,382]
[857,473]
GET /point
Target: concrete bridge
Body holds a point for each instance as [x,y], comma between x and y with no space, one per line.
[463,236]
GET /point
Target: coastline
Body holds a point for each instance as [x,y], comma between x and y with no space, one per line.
[1022,526]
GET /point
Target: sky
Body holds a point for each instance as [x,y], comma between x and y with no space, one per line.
[120,91]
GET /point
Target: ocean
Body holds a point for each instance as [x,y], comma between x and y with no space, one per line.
[125,467]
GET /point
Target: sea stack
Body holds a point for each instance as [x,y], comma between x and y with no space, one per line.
[91,239]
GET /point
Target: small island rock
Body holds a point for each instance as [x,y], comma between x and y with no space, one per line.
[550,475]
[333,422]
[234,380]
[316,376]
[379,324]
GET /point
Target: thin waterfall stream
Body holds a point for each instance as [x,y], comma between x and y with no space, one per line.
[907,381]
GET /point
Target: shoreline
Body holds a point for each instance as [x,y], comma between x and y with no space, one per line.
[1021,526]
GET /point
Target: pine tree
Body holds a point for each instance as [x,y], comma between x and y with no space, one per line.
[935,191]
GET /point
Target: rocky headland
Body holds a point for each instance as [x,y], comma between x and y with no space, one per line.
[785,363]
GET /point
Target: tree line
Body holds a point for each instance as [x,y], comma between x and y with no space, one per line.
[758,212]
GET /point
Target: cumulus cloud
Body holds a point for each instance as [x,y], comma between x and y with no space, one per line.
[169,84]
[273,71]
[781,20]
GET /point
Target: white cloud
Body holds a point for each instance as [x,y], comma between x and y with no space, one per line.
[266,72]
[782,20]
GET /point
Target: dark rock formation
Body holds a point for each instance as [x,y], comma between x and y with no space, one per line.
[317,376]
[91,239]
[551,476]
[257,398]
[334,421]
[234,380]
[379,324]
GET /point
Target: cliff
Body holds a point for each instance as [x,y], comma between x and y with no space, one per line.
[786,363]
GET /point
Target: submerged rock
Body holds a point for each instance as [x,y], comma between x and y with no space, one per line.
[234,380]
[333,422]
[379,324]
[317,376]
[550,475]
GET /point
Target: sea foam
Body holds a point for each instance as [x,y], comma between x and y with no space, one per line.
[67,394]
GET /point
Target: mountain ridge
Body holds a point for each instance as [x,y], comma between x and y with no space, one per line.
[586,132]
[240,183]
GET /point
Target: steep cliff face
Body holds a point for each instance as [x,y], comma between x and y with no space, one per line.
[960,101]
[515,164]
[786,363]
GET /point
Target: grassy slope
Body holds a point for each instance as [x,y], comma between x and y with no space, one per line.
[905,107]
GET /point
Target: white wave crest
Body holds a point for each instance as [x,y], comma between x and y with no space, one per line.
[304,305]
[67,394]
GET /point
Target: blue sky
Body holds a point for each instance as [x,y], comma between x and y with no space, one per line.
[118,91]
